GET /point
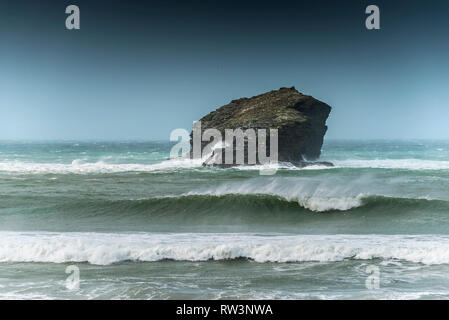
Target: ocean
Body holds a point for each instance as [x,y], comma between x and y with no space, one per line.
[139,226]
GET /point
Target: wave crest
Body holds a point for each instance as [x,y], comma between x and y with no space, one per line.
[312,195]
[80,166]
[104,248]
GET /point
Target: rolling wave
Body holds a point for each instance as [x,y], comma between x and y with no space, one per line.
[208,207]
[108,248]
[307,194]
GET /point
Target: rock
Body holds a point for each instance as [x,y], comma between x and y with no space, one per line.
[300,120]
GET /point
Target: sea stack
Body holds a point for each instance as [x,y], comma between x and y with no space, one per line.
[300,120]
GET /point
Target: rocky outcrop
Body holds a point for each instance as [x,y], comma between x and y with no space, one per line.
[300,120]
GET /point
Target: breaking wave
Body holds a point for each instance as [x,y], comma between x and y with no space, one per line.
[314,204]
[307,194]
[81,166]
[107,248]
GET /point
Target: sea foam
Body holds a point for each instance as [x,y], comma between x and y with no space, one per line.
[80,166]
[318,196]
[107,248]
[405,164]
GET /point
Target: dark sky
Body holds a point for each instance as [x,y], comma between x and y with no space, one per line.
[137,70]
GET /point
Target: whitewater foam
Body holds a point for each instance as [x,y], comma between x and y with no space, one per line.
[318,197]
[107,248]
[79,166]
[405,164]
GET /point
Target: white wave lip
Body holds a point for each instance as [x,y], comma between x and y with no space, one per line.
[106,248]
[312,196]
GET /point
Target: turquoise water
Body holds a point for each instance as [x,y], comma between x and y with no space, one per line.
[140,226]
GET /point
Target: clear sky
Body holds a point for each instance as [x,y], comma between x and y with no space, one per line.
[137,70]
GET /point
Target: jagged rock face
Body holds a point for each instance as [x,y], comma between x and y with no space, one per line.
[300,120]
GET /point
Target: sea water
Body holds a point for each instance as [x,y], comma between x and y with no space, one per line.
[138,225]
